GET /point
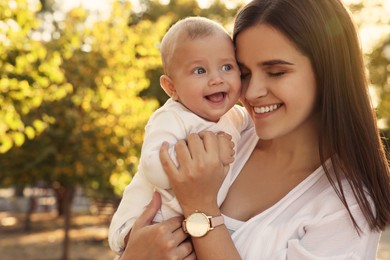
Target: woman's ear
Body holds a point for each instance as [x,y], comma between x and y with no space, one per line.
[168,86]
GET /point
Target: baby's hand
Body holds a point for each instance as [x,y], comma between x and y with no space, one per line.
[226,151]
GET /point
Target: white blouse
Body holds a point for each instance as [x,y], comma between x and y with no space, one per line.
[310,222]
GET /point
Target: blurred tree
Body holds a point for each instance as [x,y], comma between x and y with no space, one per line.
[379,68]
[373,19]
[94,124]
[29,75]
[154,9]
[96,128]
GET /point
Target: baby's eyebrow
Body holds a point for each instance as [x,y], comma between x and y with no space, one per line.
[229,59]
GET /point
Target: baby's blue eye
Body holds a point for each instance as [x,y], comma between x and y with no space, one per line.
[227,67]
[199,71]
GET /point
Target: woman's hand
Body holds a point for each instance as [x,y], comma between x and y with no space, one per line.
[200,173]
[165,240]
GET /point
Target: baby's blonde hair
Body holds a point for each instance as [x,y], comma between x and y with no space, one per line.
[191,27]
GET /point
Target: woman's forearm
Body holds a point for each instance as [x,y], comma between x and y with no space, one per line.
[217,244]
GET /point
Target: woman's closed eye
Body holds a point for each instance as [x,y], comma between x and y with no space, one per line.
[276,73]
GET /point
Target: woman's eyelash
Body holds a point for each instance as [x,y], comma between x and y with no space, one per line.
[276,74]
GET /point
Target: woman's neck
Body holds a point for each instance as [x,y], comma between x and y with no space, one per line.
[299,148]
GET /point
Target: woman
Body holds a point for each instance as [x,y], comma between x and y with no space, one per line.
[314,183]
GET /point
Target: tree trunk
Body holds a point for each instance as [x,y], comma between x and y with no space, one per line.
[60,192]
[30,210]
[64,201]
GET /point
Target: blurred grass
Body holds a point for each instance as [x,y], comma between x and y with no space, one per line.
[44,240]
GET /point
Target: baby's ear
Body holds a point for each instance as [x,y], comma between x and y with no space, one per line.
[168,86]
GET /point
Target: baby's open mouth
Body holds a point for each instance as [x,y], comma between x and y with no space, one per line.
[216,97]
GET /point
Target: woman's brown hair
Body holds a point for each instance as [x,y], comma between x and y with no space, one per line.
[323,30]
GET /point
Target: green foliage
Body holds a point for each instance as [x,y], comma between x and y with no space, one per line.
[379,68]
[94,132]
[29,75]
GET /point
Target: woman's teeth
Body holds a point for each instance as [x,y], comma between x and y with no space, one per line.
[265,109]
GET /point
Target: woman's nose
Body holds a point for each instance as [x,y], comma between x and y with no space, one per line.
[255,89]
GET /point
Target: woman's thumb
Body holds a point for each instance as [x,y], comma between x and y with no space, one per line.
[150,211]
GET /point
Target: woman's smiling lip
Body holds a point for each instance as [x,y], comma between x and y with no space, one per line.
[266,109]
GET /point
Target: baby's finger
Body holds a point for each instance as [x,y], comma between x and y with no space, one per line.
[224,135]
[210,142]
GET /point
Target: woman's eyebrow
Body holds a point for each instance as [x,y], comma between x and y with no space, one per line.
[275,62]
[268,63]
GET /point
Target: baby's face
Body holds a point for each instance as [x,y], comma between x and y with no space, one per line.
[206,75]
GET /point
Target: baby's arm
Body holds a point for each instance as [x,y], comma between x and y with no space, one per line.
[135,197]
[161,127]
[164,126]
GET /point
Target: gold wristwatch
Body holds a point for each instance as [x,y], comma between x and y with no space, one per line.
[199,224]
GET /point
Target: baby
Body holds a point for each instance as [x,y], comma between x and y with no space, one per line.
[202,78]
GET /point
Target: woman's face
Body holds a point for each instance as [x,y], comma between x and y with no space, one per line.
[278,83]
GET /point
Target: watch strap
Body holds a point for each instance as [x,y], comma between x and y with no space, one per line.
[216,221]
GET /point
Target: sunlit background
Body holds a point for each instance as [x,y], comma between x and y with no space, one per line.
[79,80]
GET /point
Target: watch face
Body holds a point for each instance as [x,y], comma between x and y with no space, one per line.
[197,224]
